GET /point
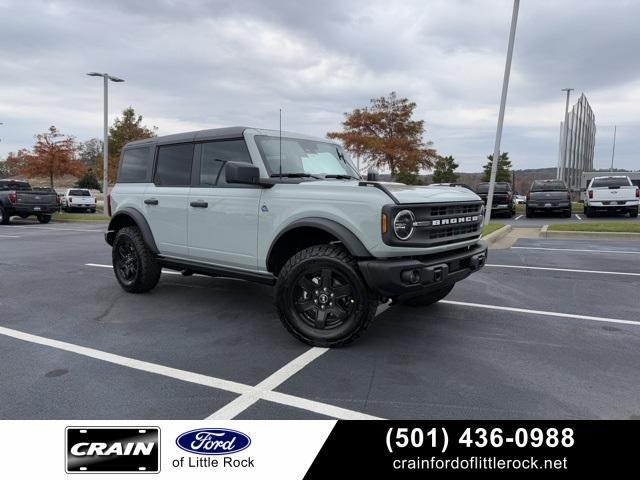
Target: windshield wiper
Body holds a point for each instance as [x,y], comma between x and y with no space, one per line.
[340,176]
[344,160]
[295,175]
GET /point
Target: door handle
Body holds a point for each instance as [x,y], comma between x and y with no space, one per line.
[151,201]
[199,204]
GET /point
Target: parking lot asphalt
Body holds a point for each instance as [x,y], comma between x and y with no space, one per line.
[521,221]
[558,341]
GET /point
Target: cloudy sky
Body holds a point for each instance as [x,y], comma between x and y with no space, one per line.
[191,64]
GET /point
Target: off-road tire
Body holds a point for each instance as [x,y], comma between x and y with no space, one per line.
[5,219]
[633,212]
[567,214]
[358,308]
[588,212]
[44,218]
[528,213]
[139,257]
[428,298]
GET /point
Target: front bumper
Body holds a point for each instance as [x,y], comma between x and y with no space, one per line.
[418,275]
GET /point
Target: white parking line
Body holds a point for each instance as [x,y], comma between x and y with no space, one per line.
[9,236]
[95,230]
[266,387]
[191,377]
[542,312]
[235,407]
[525,267]
[637,252]
[578,216]
[519,217]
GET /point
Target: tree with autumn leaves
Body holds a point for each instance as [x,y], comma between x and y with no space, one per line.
[126,128]
[52,156]
[387,137]
[55,154]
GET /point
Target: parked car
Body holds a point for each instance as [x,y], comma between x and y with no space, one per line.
[291,212]
[17,198]
[520,199]
[78,199]
[548,196]
[613,194]
[502,198]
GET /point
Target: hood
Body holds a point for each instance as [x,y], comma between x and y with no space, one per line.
[428,194]
[405,193]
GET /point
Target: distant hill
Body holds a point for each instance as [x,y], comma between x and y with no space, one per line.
[523,178]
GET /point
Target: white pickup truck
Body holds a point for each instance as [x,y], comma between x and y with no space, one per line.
[612,194]
[78,199]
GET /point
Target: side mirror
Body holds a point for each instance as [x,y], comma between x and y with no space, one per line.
[239,172]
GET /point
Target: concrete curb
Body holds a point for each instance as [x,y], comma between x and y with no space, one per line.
[588,235]
[497,235]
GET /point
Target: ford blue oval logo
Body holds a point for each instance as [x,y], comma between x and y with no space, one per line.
[213,441]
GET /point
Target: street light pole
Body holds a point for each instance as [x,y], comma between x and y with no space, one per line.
[503,104]
[613,151]
[105,148]
[563,162]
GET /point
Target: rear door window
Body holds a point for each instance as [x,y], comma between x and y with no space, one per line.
[173,167]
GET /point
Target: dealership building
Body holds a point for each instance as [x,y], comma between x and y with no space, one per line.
[576,150]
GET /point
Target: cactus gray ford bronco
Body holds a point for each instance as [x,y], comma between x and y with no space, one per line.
[291,211]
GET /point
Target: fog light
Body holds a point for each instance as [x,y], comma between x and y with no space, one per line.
[410,276]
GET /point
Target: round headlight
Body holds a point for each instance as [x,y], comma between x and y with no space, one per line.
[403,224]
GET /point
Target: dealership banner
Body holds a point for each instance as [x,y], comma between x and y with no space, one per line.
[313,449]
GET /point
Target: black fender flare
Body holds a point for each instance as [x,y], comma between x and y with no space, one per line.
[342,233]
[139,220]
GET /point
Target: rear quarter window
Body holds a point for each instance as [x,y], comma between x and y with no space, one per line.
[135,166]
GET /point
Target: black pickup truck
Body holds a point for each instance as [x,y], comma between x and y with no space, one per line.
[17,198]
[548,196]
[503,201]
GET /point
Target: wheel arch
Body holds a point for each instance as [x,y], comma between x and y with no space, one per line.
[307,232]
[130,217]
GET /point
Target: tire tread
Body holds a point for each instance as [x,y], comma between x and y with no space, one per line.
[337,253]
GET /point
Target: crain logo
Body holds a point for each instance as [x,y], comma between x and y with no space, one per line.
[453,221]
[105,449]
[213,441]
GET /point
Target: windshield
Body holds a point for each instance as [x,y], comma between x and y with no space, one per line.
[610,182]
[499,188]
[304,157]
[80,193]
[538,186]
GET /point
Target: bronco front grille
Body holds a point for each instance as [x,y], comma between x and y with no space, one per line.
[454,210]
[452,231]
[438,223]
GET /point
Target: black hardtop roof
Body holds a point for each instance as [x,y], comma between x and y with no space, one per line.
[209,134]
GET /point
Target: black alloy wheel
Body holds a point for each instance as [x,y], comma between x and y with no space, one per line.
[323,298]
[126,261]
